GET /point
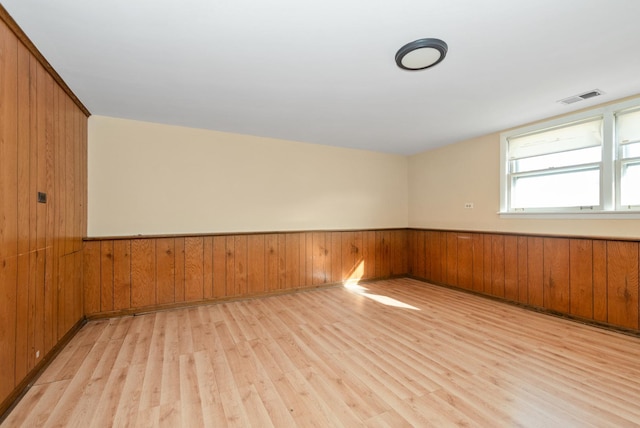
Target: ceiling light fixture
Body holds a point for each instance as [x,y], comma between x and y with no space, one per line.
[421,54]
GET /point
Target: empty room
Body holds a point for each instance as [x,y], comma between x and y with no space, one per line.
[334,214]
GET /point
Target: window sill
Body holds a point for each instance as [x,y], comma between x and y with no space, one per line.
[584,215]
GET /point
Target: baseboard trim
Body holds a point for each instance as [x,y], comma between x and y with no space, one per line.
[23,387]
[568,317]
[204,302]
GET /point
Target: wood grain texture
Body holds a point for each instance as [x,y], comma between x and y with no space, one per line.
[451,277]
[523,270]
[581,277]
[8,208]
[591,279]
[600,304]
[121,275]
[193,269]
[335,357]
[487,268]
[497,265]
[535,271]
[231,266]
[40,290]
[622,283]
[478,262]
[464,263]
[143,273]
[166,271]
[556,274]
[511,291]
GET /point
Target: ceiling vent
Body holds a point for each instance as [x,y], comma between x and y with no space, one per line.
[585,96]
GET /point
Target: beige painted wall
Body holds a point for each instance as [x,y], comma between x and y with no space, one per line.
[147,178]
[441,181]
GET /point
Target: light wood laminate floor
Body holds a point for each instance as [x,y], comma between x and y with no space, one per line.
[389,353]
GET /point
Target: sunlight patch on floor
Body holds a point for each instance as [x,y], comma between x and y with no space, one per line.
[352,285]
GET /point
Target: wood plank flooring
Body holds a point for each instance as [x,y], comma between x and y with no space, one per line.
[384,354]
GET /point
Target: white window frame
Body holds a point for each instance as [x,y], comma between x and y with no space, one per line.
[609,170]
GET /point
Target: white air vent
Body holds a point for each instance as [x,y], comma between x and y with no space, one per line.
[585,96]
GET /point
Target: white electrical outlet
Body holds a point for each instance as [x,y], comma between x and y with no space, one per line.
[468,205]
[37,354]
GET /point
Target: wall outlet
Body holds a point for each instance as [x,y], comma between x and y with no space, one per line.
[468,205]
[37,354]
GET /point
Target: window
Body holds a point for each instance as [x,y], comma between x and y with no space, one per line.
[585,163]
[628,170]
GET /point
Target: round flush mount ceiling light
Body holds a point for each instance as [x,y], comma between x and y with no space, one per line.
[421,54]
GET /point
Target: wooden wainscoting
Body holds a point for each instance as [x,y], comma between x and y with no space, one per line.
[590,279]
[139,274]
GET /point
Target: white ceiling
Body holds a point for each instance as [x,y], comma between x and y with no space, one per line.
[324,71]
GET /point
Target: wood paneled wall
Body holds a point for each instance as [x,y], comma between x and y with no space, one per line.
[43,137]
[129,275]
[591,279]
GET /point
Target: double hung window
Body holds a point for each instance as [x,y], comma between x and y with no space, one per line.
[585,163]
[628,164]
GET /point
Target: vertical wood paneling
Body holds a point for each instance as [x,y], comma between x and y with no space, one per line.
[106,276]
[292,260]
[556,274]
[256,254]
[193,269]
[423,260]
[581,278]
[121,274]
[336,257]
[42,140]
[435,249]
[487,268]
[600,304]
[65,316]
[230,263]
[348,254]
[219,266]
[23,339]
[207,268]
[91,285]
[8,208]
[240,265]
[308,254]
[143,273]
[399,254]
[478,261]
[412,240]
[369,254]
[535,272]
[302,259]
[443,256]
[622,283]
[51,243]
[63,292]
[41,285]
[271,262]
[179,276]
[465,260]
[511,268]
[497,265]
[523,269]
[451,277]
[383,254]
[320,252]
[24,225]
[165,270]
[357,268]
[282,261]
